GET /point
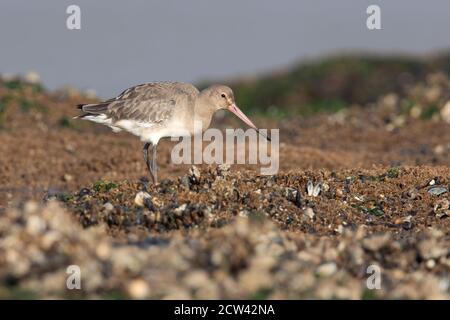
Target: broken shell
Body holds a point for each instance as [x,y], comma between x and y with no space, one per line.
[443,214]
[313,190]
[436,191]
[290,194]
[139,200]
[317,189]
[194,174]
[310,188]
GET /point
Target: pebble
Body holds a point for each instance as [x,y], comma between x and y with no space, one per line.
[36,225]
[185,182]
[138,289]
[84,192]
[376,242]
[429,249]
[430,264]
[445,112]
[30,207]
[403,220]
[103,250]
[108,207]
[139,200]
[326,269]
[439,149]
[178,211]
[309,212]
[416,111]
[223,169]
[339,229]
[441,205]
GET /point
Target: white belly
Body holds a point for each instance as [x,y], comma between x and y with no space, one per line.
[147,132]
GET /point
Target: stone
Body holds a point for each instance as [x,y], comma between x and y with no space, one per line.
[326,269]
[139,200]
[376,242]
[138,289]
[445,112]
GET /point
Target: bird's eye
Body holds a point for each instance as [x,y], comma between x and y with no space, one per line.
[223,95]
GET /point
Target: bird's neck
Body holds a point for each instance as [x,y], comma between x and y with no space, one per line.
[204,110]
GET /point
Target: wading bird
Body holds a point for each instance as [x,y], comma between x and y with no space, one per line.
[158,110]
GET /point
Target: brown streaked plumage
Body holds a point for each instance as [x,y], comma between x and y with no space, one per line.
[157,110]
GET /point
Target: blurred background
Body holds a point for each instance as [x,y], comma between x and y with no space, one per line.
[124,43]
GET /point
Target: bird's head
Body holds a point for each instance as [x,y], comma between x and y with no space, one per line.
[222,97]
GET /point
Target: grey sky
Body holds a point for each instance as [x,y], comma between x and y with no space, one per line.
[123,43]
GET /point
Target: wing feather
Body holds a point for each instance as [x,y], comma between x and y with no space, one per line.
[150,102]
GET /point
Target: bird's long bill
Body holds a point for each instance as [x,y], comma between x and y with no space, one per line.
[233,108]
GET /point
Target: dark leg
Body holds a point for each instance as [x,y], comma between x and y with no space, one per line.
[154,165]
[151,164]
[145,151]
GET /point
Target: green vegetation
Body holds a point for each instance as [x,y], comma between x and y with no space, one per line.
[65,122]
[371,207]
[4,103]
[393,172]
[114,295]
[429,112]
[15,292]
[104,186]
[330,84]
[26,105]
[257,216]
[375,211]
[18,84]
[64,197]
[322,106]
[261,294]
[14,84]
[369,294]
[3,106]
